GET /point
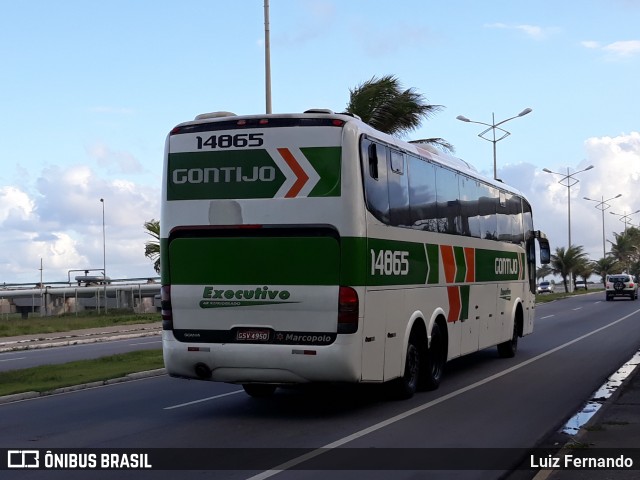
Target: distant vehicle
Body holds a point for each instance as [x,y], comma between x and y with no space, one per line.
[545,287]
[581,284]
[621,285]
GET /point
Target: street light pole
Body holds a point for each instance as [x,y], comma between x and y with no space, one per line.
[267,57]
[625,218]
[104,258]
[568,181]
[602,205]
[493,127]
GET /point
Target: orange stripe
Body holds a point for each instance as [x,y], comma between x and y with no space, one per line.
[470,257]
[297,169]
[449,263]
[455,304]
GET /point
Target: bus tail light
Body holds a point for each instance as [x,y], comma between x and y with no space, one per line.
[165,305]
[348,310]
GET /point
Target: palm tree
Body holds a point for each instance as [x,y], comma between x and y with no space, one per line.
[584,269]
[383,104]
[563,262]
[152,247]
[543,271]
[605,266]
[626,248]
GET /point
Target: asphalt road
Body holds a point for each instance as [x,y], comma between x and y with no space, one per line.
[484,401]
[63,354]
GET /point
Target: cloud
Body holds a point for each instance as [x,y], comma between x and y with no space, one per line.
[533,31]
[120,162]
[609,156]
[14,204]
[59,219]
[378,42]
[313,22]
[615,50]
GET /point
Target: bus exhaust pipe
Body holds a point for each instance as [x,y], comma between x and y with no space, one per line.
[202,371]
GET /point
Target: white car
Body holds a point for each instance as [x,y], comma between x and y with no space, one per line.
[621,285]
[545,287]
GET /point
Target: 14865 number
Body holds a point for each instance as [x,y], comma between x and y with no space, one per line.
[389,262]
[239,140]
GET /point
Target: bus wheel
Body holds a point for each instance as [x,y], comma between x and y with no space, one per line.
[436,359]
[509,348]
[405,386]
[259,390]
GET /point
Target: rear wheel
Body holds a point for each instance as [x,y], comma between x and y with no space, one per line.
[436,359]
[259,390]
[509,348]
[405,386]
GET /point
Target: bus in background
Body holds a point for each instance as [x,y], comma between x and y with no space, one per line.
[309,247]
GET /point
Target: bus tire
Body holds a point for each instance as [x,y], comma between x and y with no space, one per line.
[405,386]
[436,359]
[259,390]
[509,348]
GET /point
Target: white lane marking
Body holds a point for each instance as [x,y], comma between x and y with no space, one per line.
[203,400]
[12,359]
[574,309]
[385,423]
[547,316]
[144,343]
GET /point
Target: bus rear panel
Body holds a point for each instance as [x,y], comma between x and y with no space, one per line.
[252,257]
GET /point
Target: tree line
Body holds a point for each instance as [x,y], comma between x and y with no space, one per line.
[573,263]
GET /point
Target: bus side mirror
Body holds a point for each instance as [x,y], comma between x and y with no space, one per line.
[545,254]
[545,249]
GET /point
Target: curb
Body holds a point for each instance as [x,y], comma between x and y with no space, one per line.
[84,386]
[580,439]
[63,341]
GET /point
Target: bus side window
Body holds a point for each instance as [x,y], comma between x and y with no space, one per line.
[398,190]
[375,183]
[422,194]
[469,200]
[448,201]
[373,161]
[487,204]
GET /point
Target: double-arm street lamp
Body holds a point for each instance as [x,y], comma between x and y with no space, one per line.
[602,205]
[625,218]
[493,126]
[568,181]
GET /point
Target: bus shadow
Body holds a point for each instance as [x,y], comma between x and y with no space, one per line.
[335,399]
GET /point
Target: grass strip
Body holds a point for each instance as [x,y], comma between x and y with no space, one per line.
[549,297]
[50,377]
[13,326]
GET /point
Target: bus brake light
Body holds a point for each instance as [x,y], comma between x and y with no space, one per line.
[348,310]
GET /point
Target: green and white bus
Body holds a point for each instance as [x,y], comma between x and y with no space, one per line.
[310,247]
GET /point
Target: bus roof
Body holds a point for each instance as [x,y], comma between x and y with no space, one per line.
[422,149]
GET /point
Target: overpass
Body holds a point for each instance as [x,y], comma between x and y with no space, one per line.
[86,294]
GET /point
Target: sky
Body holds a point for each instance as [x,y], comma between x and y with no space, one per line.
[89,91]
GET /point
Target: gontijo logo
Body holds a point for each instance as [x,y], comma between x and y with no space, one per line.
[223,174]
[281,172]
[507,266]
[215,297]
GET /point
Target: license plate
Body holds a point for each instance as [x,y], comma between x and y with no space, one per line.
[252,335]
